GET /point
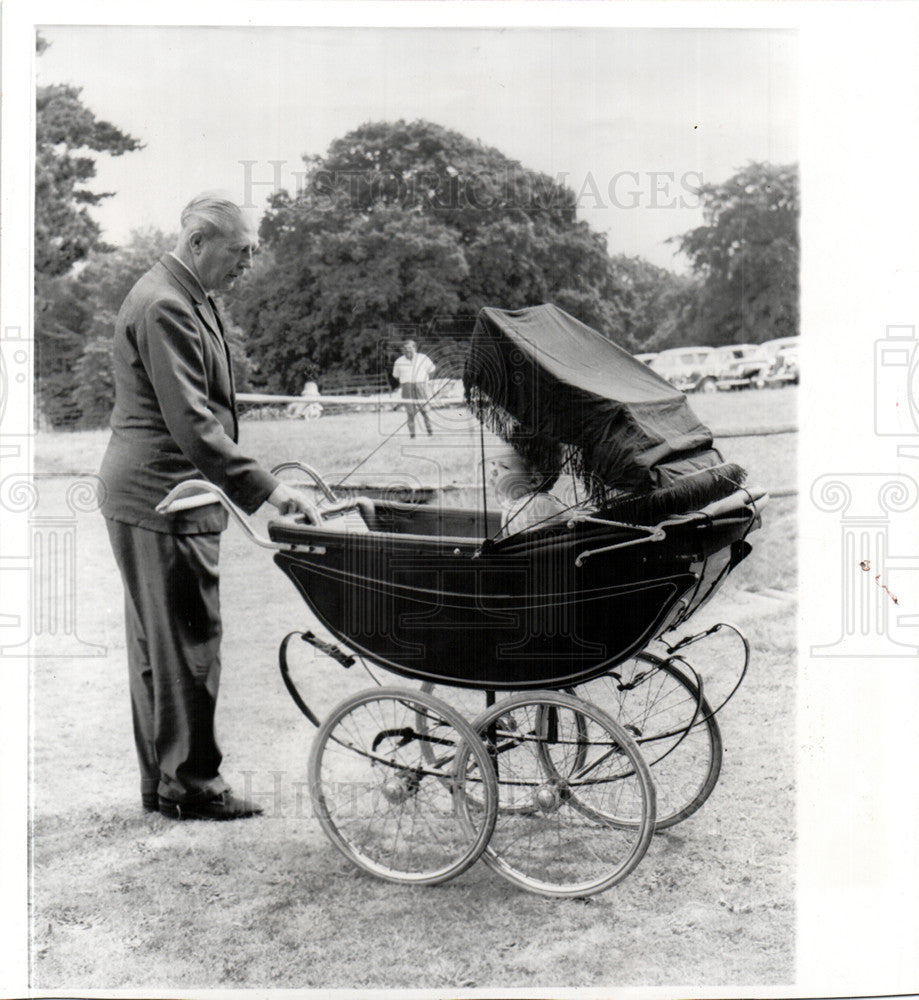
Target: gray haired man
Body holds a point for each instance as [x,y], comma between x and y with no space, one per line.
[175,419]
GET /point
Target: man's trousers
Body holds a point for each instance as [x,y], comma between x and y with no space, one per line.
[173,628]
[416,391]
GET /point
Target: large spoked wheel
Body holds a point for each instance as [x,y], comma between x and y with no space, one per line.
[562,765]
[670,720]
[387,791]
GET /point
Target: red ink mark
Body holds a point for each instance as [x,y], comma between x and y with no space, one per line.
[877,580]
[866,566]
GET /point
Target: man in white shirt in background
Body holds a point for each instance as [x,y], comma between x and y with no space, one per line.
[413,370]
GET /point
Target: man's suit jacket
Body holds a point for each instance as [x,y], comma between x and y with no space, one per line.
[175,408]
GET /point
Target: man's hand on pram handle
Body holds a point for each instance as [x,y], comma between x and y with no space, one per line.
[289,501]
[196,492]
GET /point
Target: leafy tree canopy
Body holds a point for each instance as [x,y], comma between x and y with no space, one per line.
[67,136]
[401,223]
[65,132]
[746,257]
[420,166]
[78,316]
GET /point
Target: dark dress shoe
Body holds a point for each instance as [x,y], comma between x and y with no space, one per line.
[150,801]
[222,806]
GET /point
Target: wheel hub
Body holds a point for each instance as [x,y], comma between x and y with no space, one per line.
[549,798]
[397,788]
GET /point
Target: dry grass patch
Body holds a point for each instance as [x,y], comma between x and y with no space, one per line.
[126,900]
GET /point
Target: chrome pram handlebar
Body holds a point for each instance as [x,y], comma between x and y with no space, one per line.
[327,490]
[199,493]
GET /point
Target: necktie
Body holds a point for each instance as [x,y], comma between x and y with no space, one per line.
[226,348]
[216,314]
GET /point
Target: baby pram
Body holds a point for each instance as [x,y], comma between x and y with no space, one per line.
[544,737]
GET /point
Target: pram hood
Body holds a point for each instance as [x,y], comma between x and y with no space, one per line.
[552,386]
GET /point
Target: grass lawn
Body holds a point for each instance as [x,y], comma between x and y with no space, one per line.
[126,900]
[374,448]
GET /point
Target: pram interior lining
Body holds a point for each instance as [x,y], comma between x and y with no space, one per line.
[465,525]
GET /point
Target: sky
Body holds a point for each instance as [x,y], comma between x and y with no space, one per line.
[632,119]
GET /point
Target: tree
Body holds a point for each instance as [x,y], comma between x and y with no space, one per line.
[78,323]
[401,223]
[60,314]
[649,302]
[747,256]
[325,306]
[109,275]
[422,167]
[65,232]
[95,385]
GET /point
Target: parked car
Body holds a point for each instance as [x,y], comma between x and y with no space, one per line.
[687,368]
[784,354]
[646,358]
[740,366]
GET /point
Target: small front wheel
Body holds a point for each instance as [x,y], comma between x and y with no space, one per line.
[386,789]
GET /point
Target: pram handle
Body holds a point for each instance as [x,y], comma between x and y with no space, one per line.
[198,493]
[312,473]
[363,504]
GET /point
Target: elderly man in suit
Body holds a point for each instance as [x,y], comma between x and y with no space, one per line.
[175,419]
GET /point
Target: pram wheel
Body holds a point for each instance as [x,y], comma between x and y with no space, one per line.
[672,723]
[387,802]
[562,765]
